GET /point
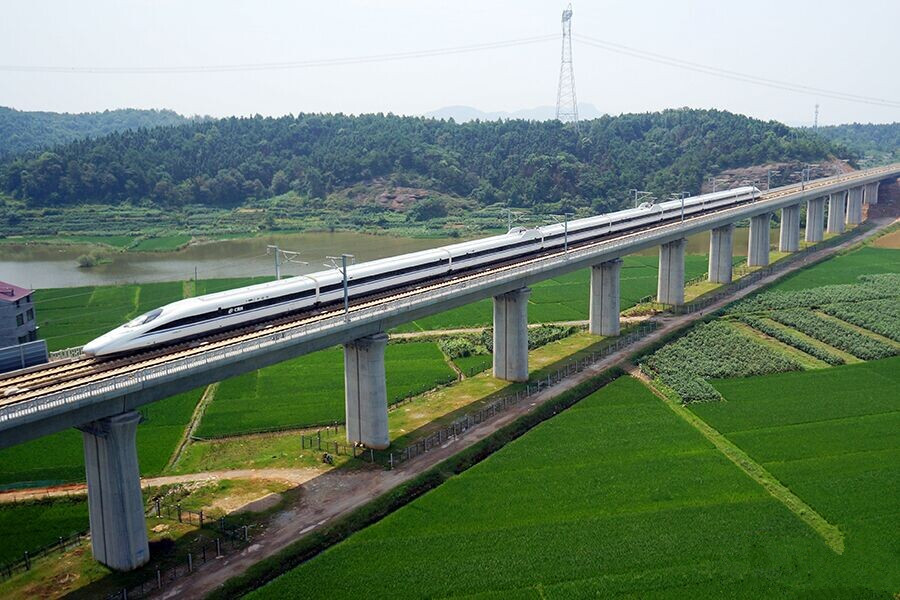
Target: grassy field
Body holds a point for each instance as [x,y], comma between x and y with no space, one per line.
[833,437]
[161,243]
[617,497]
[60,457]
[70,317]
[32,525]
[845,268]
[564,298]
[309,390]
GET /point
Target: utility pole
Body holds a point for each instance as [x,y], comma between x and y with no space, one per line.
[565,217]
[343,269]
[816,118]
[638,196]
[566,103]
[510,213]
[681,196]
[288,256]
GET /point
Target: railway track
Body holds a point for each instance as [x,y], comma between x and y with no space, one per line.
[21,386]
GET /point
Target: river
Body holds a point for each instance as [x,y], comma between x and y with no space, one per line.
[40,266]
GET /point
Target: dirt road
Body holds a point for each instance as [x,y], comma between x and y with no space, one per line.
[292,476]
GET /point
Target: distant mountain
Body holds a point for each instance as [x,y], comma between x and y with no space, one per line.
[329,161]
[463,114]
[30,130]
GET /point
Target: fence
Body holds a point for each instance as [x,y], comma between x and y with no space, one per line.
[230,538]
[58,547]
[66,353]
[22,356]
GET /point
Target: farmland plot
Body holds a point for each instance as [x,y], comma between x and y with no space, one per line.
[616,497]
[833,437]
[713,350]
[835,334]
[844,268]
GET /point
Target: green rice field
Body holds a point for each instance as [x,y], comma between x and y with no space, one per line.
[844,268]
[616,497]
[309,390]
[59,457]
[832,437]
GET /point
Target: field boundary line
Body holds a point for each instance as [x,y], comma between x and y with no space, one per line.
[830,534]
[208,394]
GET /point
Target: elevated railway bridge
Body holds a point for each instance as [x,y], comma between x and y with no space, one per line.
[100,395]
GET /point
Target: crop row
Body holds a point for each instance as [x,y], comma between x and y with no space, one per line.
[834,334]
[868,287]
[880,316]
[792,339]
[713,351]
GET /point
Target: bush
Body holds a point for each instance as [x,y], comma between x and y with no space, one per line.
[792,339]
[835,334]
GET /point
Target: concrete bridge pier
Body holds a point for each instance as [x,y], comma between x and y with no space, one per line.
[115,505]
[836,212]
[670,288]
[758,244]
[871,193]
[789,238]
[604,310]
[511,335]
[721,250]
[815,218]
[365,391]
[854,206]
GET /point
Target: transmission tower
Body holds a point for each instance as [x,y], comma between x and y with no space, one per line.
[816,119]
[566,104]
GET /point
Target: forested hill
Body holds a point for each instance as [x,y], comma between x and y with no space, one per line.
[25,130]
[229,161]
[880,142]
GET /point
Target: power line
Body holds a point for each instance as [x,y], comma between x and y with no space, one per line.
[734,75]
[273,66]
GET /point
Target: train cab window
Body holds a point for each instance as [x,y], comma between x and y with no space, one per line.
[144,318]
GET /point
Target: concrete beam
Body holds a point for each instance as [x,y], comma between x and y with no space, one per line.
[815,220]
[511,335]
[721,252]
[365,392]
[854,206]
[758,243]
[115,505]
[604,311]
[789,238]
[836,212]
[670,286]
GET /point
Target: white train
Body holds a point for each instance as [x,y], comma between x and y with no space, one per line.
[203,315]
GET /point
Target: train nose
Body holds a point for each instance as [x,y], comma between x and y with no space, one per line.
[96,346]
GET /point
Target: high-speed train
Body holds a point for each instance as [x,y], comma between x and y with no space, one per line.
[194,317]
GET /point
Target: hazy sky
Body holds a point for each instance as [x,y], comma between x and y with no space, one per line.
[836,45]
